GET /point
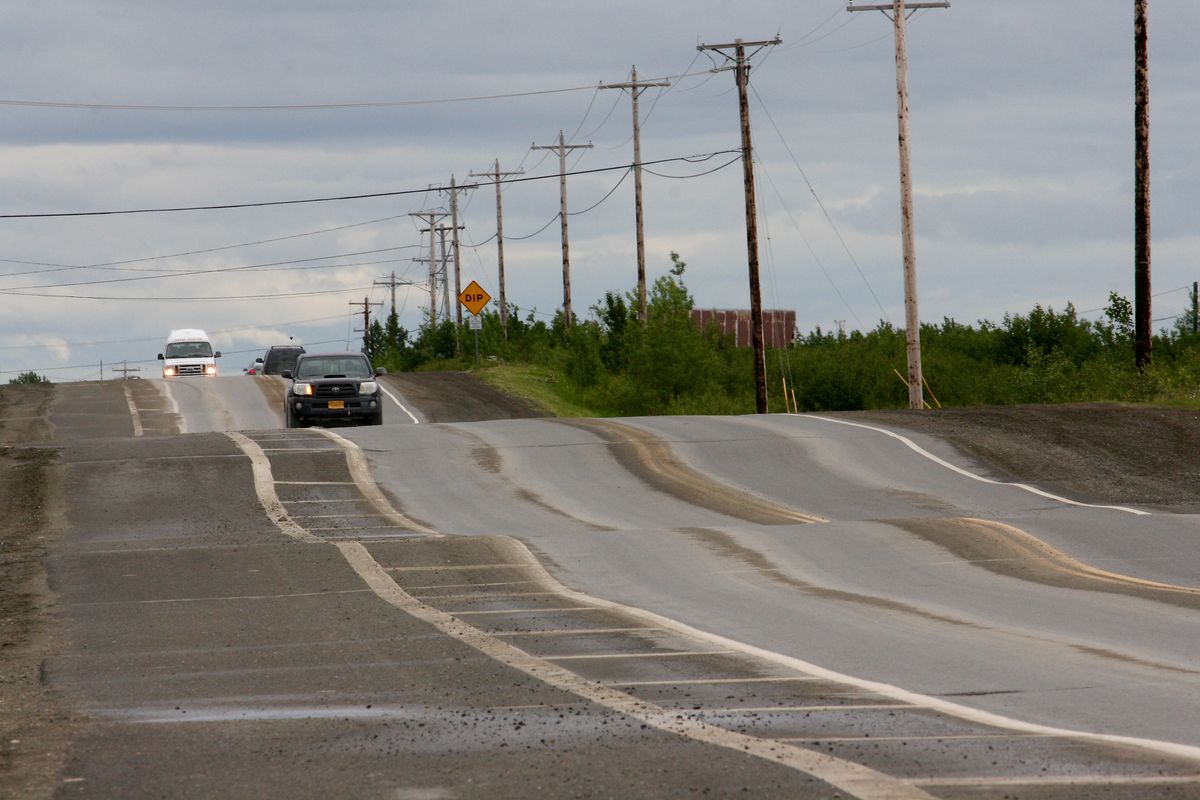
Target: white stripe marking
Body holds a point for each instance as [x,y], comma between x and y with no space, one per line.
[264,487]
[133,412]
[360,471]
[855,779]
[396,400]
[941,462]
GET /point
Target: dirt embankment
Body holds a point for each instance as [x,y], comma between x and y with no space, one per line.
[459,397]
[1095,452]
[34,726]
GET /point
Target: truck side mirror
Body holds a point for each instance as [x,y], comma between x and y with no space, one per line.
[217,354]
[287,373]
[160,357]
[381,370]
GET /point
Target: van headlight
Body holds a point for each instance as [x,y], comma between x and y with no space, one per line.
[302,389]
[210,369]
[168,372]
[368,387]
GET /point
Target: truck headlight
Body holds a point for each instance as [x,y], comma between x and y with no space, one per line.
[368,387]
[302,389]
[168,372]
[210,369]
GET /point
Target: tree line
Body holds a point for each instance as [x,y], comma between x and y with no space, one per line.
[614,365]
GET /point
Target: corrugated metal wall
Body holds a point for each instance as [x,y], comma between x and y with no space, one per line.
[779,326]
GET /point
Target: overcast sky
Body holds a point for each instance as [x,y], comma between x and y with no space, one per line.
[1021,132]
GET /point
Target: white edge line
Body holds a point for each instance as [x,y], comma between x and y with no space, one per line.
[859,780]
[941,462]
[855,779]
[133,412]
[396,400]
[264,487]
[360,472]
[913,698]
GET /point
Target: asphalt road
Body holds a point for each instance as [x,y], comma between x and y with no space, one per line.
[769,606]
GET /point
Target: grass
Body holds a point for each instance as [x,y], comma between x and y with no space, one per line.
[535,384]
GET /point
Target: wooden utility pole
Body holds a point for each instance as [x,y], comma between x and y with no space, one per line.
[366,312]
[392,282]
[496,175]
[431,218]
[1141,193]
[912,318]
[635,91]
[741,65]
[454,229]
[441,231]
[562,147]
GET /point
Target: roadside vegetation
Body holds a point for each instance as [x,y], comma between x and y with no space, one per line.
[608,364]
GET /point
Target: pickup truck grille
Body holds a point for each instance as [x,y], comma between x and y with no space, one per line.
[335,391]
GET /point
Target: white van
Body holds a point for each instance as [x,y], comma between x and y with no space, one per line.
[188,352]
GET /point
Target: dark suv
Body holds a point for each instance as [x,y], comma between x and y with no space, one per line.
[280,358]
[329,387]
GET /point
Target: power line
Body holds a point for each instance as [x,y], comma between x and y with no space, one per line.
[62,104]
[193,298]
[340,198]
[114,265]
[215,270]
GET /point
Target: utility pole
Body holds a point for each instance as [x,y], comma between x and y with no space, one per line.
[912,318]
[384,280]
[635,91]
[431,218]
[454,229]
[496,175]
[366,312]
[1141,191]
[441,232]
[1195,313]
[741,66]
[562,147]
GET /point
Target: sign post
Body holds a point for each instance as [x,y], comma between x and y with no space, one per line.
[474,298]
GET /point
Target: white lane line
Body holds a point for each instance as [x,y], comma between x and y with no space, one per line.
[916,448]
[453,567]
[396,400]
[133,412]
[360,471]
[629,656]
[264,487]
[883,689]
[713,681]
[854,779]
[572,632]
[314,483]
[522,611]
[216,599]
[482,595]
[1063,780]
[728,710]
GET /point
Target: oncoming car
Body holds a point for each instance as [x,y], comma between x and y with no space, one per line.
[332,387]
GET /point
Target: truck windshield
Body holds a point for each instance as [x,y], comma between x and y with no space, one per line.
[343,367]
[189,350]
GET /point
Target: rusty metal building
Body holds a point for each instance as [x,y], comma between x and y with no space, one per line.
[779,326]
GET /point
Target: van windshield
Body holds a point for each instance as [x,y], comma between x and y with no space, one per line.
[189,350]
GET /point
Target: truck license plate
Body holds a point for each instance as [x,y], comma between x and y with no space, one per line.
[337,403]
